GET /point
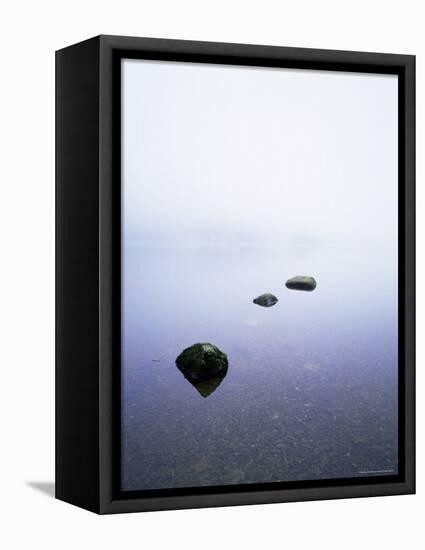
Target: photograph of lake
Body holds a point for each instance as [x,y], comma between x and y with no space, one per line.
[259,275]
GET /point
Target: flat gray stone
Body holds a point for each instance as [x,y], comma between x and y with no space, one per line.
[300,282]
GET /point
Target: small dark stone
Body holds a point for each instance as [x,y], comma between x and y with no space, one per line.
[266,300]
[301,283]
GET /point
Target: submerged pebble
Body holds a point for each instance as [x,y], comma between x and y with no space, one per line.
[199,467]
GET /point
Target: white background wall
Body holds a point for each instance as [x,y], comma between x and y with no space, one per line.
[29,33]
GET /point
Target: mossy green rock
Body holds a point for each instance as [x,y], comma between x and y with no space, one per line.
[266,300]
[301,283]
[202,361]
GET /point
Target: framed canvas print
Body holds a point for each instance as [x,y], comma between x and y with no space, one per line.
[235,274]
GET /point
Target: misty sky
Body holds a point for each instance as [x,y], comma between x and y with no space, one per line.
[215,153]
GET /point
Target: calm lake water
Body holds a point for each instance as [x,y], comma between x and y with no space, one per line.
[311,388]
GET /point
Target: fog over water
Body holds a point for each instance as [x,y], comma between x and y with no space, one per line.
[234,180]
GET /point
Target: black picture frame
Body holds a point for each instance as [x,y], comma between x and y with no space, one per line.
[88,272]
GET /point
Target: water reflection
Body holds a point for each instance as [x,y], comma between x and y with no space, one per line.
[206,386]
